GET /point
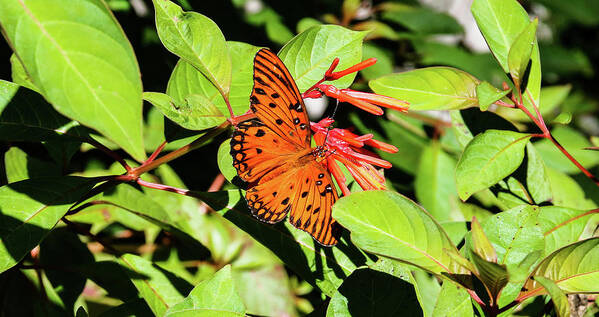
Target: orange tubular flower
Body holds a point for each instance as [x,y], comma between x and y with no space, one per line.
[348,149]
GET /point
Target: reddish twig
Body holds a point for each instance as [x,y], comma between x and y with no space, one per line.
[217,183]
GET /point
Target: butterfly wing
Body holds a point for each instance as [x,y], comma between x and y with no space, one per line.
[273,155]
[257,151]
[307,193]
[277,102]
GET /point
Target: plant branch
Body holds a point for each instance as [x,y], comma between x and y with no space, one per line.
[573,160]
[136,172]
[109,152]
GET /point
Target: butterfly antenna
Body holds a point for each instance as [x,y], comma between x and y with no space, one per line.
[332,117]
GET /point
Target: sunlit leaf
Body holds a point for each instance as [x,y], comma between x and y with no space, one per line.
[195,112]
[196,39]
[432,88]
[391,225]
[309,54]
[82,63]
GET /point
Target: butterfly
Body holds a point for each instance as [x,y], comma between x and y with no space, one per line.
[272,153]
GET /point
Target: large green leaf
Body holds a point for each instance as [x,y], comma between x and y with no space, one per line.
[574,268]
[309,54]
[79,58]
[195,112]
[501,22]
[561,226]
[368,292]
[196,39]
[160,288]
[435,182]
[321,267]
[389,224]
[431,88]
[185,80]
[30,209]
[487,159]
[514,234]
[214,297]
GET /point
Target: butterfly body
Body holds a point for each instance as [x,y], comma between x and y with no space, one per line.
[272,153]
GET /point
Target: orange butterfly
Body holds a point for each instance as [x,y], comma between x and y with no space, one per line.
[273,155]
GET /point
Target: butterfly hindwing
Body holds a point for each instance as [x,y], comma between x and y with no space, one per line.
[256,150]
[277,102]
[306,193]
[312,207]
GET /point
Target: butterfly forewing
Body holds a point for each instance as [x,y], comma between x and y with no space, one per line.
[257,150]
[277,102]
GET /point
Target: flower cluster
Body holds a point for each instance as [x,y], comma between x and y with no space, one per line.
[342,145]
[348,149]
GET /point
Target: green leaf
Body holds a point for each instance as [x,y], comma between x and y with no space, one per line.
[309,54]
[252,285]
[574,142]
[537,178]
[391,225]
[20,166]
[135,307]
[421,20]
[567,192]
[319,266]
[515,233]
[488,94]
[368,292]
[306,23]
[277,31]
[520,50]
[19,74]
[482,66]
[500,22]
[574,268]
[561,226]
[431,88]
[30,209]
[225,161]
[435,182]
[196,39]
[185,80]
[560,301]
[26,116]
[453,301]
[384,63]
[160,289]
[195,112]
[63,248]
[487,159]
[215,296]
[493,275]
[481,244]
[82,63]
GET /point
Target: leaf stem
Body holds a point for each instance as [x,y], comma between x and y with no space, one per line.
[110,153]
[202,140]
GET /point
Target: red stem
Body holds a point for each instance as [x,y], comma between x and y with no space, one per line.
[110,153]
[156,152]
[217,183]
[573,160]
[163,187]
